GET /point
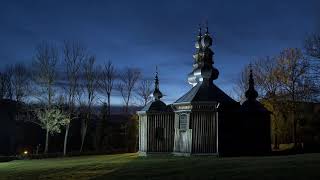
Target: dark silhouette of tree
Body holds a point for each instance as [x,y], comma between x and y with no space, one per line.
[74,55]
[20,81]
[292,73]
[144,91]
[107,77]
[312,45]
[90,88]
[45,76]
[268,85]
[128,79]
[106,82]
[45,71]
[5,85]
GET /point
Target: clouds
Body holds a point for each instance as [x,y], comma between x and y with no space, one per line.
[149,33]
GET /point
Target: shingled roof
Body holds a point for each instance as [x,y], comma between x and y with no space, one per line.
[205,92]
[156,106]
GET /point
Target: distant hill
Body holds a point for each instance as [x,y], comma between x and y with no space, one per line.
[118,109]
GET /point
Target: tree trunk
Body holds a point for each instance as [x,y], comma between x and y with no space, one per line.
[294,118]
[126,108]
[66,140]
[295,139]
[47,142]
[276,145]
[109,107]
[84,131]
[49,96]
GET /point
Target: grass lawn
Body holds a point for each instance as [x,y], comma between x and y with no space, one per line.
[130,166]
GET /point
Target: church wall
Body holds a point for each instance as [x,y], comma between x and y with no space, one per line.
[262,141]
[183,134]
[143,133]
[229,133]
[160,132]
[204,132]
[182,141]
[257,133]
[244,134]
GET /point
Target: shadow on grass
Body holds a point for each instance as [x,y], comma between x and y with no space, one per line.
[302,166]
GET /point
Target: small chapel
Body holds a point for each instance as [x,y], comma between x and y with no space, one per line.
[205,120]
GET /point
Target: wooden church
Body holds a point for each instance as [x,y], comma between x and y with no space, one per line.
[205,120]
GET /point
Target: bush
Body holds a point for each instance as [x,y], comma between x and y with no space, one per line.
[44,156]
[70,154]
[8,158]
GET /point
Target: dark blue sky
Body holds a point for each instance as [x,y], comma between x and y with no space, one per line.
[149,33]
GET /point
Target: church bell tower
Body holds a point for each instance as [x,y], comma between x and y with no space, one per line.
[203,70]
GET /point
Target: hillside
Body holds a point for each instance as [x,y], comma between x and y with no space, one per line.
[130,166]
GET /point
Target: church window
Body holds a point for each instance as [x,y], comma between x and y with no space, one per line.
[183,122]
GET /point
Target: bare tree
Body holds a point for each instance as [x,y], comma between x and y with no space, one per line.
[106,82]
[241,84]
[128,80]
[265,73]
[144,90]
[74,55]
[6,85]
[45,75]
[2,86]
[312,45]
[293,73]
[45,70]
[107,76]
[90,86]
[268,85]
[20,81]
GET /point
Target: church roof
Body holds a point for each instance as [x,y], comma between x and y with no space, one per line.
[155,105]
[253,106]
[204,92]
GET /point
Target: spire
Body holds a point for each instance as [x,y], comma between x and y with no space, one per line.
[156,79]
[198,41]
[200,31]
[251,93]
[156,93]
[203,71]
[207,29]
[206,40]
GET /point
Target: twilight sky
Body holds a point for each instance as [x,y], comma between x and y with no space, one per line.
[146,33]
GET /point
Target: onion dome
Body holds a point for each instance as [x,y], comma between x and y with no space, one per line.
[215,73]
[203,71]
[198,41]
[206,40]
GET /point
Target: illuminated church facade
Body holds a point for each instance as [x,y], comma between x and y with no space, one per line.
[205,120]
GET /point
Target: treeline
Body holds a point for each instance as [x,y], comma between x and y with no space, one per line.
[289,86]
[64,84]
